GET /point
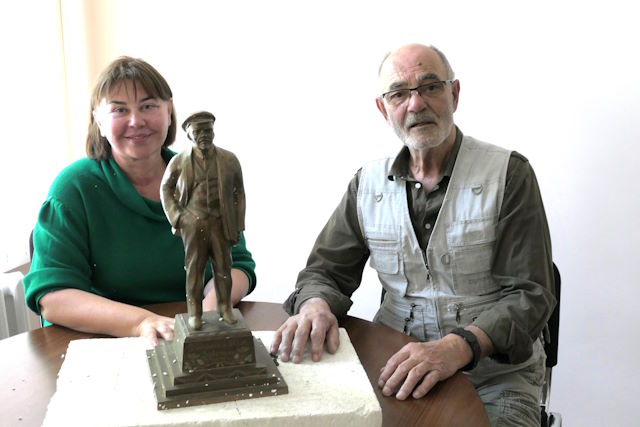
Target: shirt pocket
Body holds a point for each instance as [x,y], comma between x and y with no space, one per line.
[471,245]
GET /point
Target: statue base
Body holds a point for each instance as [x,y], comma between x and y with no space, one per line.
[218,363]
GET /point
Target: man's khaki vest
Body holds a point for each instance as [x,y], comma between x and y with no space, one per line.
[431,292]
[455,281]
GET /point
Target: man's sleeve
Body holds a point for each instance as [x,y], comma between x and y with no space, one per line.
[335,265]
[522,266]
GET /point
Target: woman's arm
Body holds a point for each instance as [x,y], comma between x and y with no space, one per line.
[239,289]
[87,312]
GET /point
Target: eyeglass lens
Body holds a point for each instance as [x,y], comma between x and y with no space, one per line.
[429,90]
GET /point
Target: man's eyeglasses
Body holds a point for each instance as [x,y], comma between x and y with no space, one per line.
[428,90]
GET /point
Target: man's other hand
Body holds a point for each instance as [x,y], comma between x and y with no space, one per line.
[418,366]
[316,321]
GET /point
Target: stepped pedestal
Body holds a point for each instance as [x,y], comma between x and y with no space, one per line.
[218,363]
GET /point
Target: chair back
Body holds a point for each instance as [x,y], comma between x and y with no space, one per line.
[551,345]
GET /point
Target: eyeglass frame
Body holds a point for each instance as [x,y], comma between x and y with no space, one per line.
[416,89]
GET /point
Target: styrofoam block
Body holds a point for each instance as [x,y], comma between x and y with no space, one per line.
[106,382]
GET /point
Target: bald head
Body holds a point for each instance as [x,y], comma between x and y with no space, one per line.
[412,56]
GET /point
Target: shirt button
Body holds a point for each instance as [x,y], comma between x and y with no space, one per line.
[418,185]
[427,226]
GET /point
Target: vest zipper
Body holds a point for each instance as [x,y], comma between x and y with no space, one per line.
[430,284]
[458,307]
[426,264]
[409,320]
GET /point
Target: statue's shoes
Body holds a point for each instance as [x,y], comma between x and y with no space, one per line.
[195,322]
[229,317]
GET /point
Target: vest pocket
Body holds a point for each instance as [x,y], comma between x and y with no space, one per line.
[386,259]
[471,246]
[384,255]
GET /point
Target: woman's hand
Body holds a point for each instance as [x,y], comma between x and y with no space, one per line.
[154,327]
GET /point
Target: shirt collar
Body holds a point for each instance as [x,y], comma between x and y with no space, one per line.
[400,167]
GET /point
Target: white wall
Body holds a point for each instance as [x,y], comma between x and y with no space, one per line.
[293,88]
[34,141]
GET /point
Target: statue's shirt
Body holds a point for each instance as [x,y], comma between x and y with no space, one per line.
[205,198]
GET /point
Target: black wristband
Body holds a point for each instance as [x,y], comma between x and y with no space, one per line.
[471,339]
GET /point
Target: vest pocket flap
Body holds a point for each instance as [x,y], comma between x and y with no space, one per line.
[385,251]
[471,232]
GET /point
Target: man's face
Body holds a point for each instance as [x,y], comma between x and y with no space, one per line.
[421,122]
[201,133]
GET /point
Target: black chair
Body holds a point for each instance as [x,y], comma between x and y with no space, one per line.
[547,418]
[31,245]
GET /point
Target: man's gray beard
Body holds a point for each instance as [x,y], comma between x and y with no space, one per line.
[425,142]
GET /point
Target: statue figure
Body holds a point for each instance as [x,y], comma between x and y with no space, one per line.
[203,197]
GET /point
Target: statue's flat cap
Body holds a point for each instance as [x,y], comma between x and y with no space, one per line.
[200,116]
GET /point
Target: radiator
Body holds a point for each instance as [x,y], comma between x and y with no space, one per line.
[15,317]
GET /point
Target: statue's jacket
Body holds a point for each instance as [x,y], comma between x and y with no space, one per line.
[178,181]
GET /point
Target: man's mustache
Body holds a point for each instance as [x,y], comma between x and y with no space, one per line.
[419,118]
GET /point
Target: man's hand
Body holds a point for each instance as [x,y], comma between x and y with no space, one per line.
[315,321]
[423,365]
[156,326]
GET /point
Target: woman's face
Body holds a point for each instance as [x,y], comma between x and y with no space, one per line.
[134,123]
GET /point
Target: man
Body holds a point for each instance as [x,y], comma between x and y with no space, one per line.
[203,198]
[457,232]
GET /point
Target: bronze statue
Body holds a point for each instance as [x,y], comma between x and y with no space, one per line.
[203,197]
[208,361]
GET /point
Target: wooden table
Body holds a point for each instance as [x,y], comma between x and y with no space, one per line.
[29,365]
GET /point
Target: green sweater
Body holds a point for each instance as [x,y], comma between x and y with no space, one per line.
[97,234]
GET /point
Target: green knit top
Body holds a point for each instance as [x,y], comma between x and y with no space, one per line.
[97,234]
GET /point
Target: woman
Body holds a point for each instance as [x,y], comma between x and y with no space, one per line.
[102,244]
